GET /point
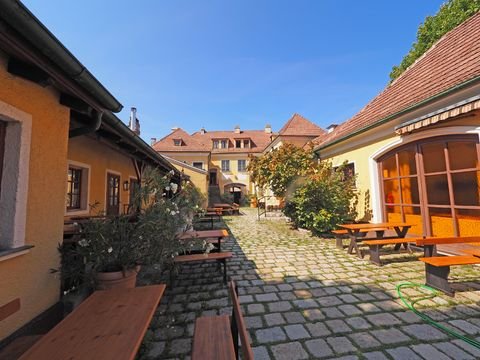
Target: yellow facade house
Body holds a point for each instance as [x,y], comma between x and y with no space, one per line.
[222,155]
[415,146]
[59,141]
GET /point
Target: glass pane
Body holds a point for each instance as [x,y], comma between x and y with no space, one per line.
[437,190]
[465,188]
[468,221]
[410,193]
[406,162]
[392,194]
[441,222]
[389,167]
[462,155]
[433,157]
[394,214]
[413,215]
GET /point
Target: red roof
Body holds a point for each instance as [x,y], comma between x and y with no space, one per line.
[451,61]
[259,140]
[188,142]
[300,126]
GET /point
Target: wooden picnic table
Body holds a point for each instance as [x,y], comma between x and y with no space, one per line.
[358,232]
[223,205]
[206,234]
[474,252]
[109,325]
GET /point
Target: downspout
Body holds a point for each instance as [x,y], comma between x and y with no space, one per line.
[89,128]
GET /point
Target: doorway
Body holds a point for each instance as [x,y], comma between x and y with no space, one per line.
[113,194]
[213,178]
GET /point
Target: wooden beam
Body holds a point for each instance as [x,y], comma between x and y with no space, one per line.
[75,103]
[28,71]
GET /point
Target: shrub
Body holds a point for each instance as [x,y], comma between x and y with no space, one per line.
[322,200]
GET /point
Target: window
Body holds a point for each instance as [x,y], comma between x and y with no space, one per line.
[238,143]
[225,165]
[224,144]
[242,165]
[246,143]
[215,144]
[74,187]
[177,142]
[434,184]
[198,164]
[3,133]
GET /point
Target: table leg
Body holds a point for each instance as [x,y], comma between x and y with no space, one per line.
[375,254]
[339,242]
[437,277]
[219,244]
[429,250]
[224,271]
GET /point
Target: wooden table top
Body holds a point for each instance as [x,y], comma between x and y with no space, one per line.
[204,234]
[213,339]
[445,240]
[385,225]
[109,325]
[474,252]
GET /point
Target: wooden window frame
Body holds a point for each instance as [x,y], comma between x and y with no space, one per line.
[78,170]
[423,205]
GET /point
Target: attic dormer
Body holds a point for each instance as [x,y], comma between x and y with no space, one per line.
[178,142]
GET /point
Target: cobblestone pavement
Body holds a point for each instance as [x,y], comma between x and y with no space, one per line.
[304,299]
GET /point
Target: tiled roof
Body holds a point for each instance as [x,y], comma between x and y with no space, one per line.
[188,142]
[453,60]
[298,125]
[259,140]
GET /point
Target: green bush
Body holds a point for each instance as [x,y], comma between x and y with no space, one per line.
[322,200]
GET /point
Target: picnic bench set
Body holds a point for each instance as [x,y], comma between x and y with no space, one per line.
[437,268]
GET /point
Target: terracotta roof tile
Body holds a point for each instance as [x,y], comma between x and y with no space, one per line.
[451,61]
[298,125]
[259,140]
[188,142]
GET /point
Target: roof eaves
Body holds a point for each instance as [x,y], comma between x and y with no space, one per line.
[398,113]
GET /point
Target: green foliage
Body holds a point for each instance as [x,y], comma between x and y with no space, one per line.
[279,168]
[323,200]
[451,14]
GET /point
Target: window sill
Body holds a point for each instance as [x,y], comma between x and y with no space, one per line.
[14,252]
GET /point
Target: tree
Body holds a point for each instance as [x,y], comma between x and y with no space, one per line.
[279,168]
[451,14]
[324,199]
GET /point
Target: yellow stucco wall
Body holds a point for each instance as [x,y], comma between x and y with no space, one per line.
[101,158]
[360,157]
[198,179]
[233,176]
[28,276]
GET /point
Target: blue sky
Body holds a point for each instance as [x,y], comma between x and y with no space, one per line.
[221,63]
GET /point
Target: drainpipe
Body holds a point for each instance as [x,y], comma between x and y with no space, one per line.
[97,117]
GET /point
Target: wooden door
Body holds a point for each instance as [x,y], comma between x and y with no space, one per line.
[113,194]
[213,178]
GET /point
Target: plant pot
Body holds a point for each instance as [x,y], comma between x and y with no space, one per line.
[116,279]
[253,203]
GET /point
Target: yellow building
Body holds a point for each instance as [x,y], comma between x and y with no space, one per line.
[55,119]
[415,146]
[224,155]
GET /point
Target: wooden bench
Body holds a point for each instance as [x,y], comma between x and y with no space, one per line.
[216,337]
[376,245]
[437,269]
[339,236]
[110,324]
[430,243]
[221,257]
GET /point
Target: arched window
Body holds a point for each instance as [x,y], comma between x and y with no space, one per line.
[434,184]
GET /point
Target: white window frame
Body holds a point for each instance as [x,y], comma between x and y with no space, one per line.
[84,195]
[224,168]
[224,144]
[238,165]
[15,178]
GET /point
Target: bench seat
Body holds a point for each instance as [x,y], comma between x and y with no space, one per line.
[437,269]
[213,338]
[381,242]
[218,256]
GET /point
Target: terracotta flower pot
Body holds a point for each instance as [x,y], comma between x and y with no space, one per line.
[253,203]
[117,279]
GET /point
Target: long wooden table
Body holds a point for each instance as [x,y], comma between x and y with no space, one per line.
[358,232]
[109,325]
[206,234]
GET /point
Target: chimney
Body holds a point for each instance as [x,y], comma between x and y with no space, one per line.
[134,123]
[202,131]
[268,129]
[331,127]
[153,141]
[237,129]
[175,128]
